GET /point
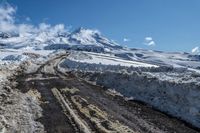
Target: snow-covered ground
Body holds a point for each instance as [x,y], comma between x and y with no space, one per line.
[105,59]
[175,59]
[168,81]
[17,108]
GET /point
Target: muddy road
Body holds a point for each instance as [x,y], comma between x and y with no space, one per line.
[71,105]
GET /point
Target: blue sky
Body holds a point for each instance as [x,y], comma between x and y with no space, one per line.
[170,25]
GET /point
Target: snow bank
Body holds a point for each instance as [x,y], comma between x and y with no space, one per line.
[18,111]
[175,91]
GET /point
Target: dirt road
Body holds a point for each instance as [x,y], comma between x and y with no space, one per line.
[71,105]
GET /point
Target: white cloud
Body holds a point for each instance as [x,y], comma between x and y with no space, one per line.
[148,38]
[149,41]
[195,50]
[58,28]
[126,40]
[7,18]
[24,29]
[28,19]
[8,23]
[44,26]
[6,13]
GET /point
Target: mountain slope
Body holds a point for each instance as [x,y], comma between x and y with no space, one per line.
[167,81]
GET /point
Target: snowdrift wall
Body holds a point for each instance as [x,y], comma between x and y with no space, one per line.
[180,99]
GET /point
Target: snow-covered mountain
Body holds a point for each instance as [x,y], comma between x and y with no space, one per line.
[91,37]
[4,35]
[78,38]
[93,41]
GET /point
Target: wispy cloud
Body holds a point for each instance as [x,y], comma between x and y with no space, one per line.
[8,23]
[126,40]
[195,50]
[149,41]
[7,18]
[28,19]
